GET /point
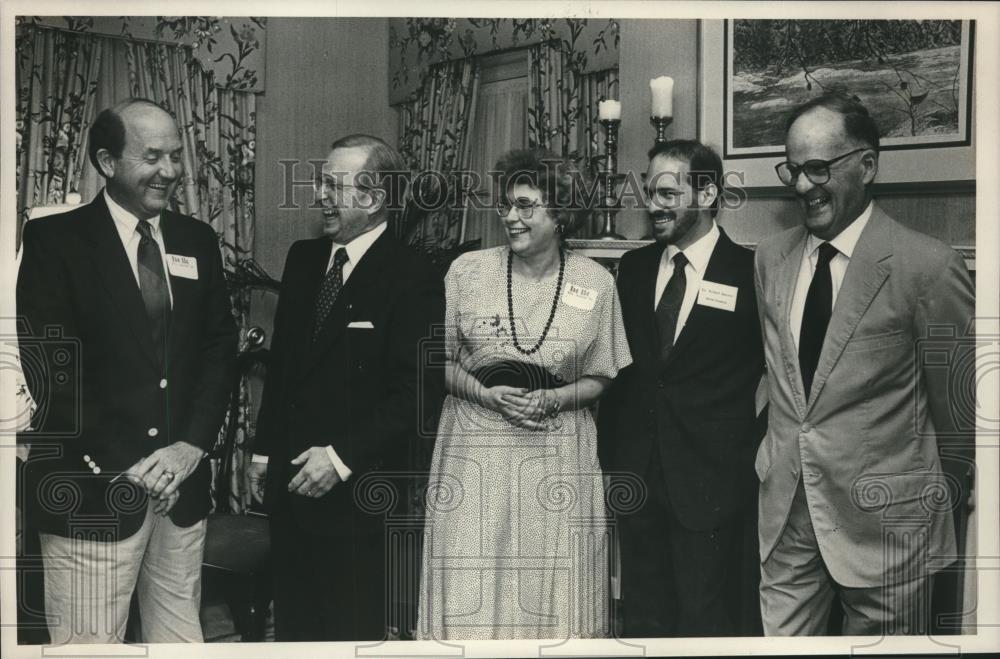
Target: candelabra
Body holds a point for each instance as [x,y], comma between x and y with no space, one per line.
[610,179]
[661,124]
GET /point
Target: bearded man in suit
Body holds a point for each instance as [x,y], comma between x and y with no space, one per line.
[682,416]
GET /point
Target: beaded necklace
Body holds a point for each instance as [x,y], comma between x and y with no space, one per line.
[510,302]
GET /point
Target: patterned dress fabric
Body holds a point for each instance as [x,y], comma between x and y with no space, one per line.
[516,542]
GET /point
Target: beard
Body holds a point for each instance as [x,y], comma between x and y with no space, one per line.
[670,226]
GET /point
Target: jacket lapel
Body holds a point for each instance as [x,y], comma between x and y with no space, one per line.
[785,280]
[867,270]
[315,264]
[181,288]
[113,266]
[364,277]
[715,270]
[646,290]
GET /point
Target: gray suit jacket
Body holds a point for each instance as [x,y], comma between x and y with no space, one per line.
[866,443]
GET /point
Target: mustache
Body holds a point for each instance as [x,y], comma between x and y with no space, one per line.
[663,215]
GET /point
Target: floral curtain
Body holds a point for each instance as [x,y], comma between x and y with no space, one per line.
[58,76]
[435,130]
[562,105]
[63,78]
[418,44]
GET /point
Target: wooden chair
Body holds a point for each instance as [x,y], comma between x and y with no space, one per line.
[238,546]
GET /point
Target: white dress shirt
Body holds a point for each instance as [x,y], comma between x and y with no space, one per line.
[844,242]
[126,224]
[698,255]
[355,250]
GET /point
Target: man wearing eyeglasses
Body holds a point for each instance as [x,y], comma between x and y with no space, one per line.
[851,479]
[347,387]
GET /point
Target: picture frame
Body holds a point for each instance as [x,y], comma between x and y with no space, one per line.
[750,143]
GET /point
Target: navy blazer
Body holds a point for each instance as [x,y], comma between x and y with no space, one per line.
[104,400]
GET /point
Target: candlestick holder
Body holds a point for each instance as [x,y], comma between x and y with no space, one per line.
[661,124]
[610,178]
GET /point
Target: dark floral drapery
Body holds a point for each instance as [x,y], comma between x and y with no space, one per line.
[434,137]
[563,102]
[416,45]
[64,77]
[572,65]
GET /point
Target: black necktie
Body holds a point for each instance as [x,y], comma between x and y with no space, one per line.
[669,308]
[329,291]
[816,316]
[153,286]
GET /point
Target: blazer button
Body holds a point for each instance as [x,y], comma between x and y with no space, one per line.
[86,458]
[163,383]
[152,432]
[97,470]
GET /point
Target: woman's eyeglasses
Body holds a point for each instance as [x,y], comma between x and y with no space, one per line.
[525,208]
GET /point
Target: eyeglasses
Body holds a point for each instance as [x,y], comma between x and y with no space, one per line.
[817,171]
[663,197]
[322,185]
[525,208]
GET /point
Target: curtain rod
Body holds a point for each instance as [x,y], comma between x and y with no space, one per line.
[42,26]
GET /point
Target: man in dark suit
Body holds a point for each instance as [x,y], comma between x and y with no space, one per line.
[854,498]
[347,386]
[126,304]
[681,417]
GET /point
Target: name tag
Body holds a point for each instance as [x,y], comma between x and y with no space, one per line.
[579,297]
[718,296]
[182,266]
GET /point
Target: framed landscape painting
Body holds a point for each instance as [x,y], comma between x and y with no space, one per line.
[915,77]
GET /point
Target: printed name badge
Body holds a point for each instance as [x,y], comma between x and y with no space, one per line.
[579,297]
[183,266]
[718,296]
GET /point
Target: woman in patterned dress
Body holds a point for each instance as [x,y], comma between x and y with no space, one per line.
[516,542]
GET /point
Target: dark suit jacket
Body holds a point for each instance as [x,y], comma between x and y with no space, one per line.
[364,390]
[698,406]
[88,357]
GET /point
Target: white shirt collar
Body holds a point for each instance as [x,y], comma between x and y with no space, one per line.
[846,240]
[699,252]
[125,221]
[357,247]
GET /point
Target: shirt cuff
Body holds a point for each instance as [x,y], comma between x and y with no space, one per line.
[259,458]
[338,464]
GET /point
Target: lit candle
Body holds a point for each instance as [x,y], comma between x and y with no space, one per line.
[608,110]
[662,91]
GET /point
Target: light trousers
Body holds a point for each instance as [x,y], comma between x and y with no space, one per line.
[89,583]
[797,591]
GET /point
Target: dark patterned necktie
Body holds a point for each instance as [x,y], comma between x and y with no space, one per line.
[669,308]
[816,316]
[153,287]
[329,290]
